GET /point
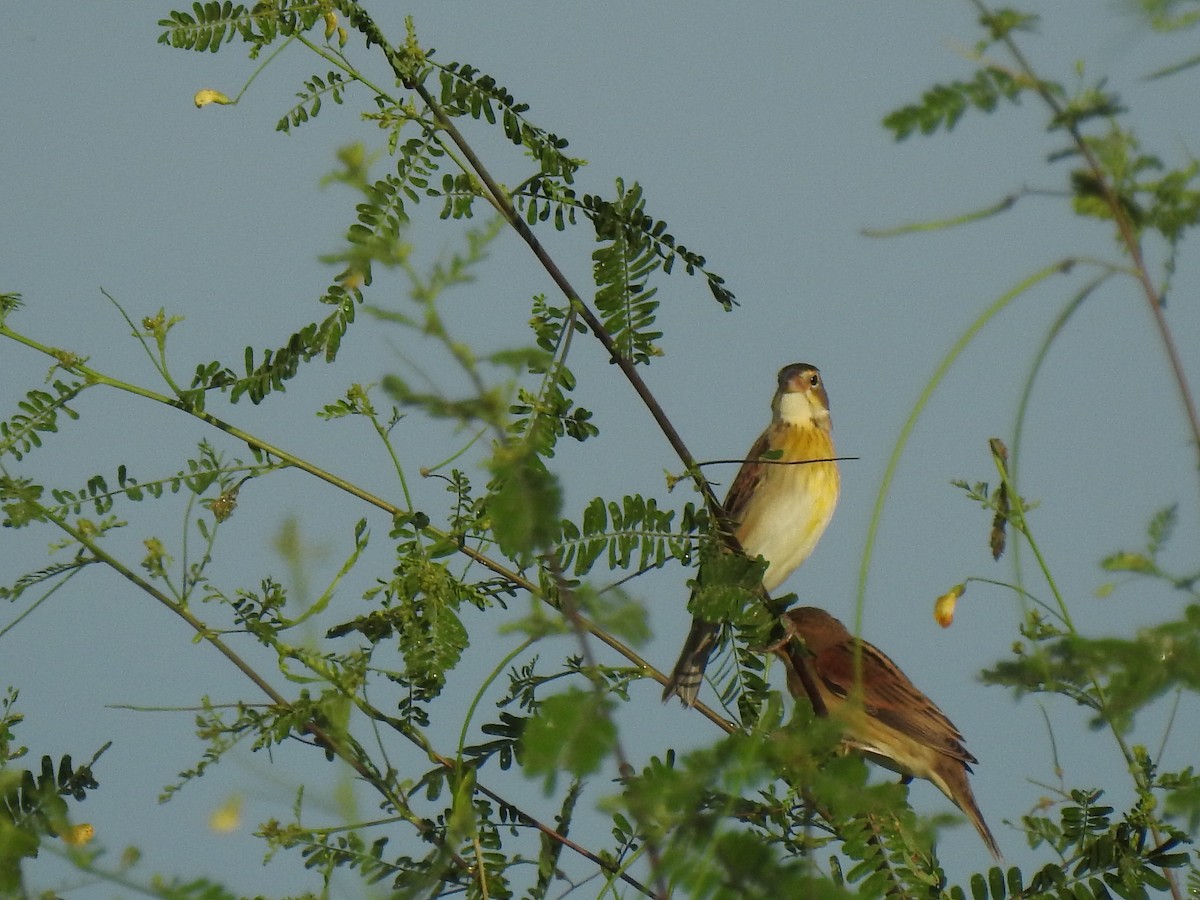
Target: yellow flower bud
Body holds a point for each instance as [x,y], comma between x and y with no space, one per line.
[207,96]
[227,817]
[943,607]
[77,835]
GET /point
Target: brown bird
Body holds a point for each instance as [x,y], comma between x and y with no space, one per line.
[883,715]
[779,506]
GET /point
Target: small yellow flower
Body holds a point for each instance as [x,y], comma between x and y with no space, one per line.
[224,505]
[156,560]
[77,835]
[943,607]
[207,96]
[228,816]
[352,279]
[67,359]
[331,23]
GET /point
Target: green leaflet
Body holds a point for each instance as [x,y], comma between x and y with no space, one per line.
[573,732]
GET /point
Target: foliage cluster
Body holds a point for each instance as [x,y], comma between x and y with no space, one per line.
[770,809]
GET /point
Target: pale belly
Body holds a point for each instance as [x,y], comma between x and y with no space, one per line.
[788,517]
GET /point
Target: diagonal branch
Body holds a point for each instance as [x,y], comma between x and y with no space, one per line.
[322,737]
[75,365]
[405,70]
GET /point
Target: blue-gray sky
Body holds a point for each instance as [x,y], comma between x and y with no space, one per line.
[755,131]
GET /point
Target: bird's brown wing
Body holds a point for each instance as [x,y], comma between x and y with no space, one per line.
[748,477]
[890,697]
[688,673]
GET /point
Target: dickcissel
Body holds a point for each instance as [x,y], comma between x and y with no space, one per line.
[779,503]
[882,714]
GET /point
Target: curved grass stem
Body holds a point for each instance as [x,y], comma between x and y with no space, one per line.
[995,308]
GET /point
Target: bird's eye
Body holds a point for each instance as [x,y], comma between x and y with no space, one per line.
[814,379]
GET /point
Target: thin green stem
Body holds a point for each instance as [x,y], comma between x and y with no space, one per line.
[1018,521]
[135,331]
[889,473]
[430,129]
[181,592]
[93,376]
[263,65]
[1015,588]
[433,325]
[430,470]
[386,438]
[336,59]
[1126,231]
[1016,518]
[47,595]
[487,682]
[1039,358]
[940,224]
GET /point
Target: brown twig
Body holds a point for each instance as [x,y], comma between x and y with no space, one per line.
[570,608]
[1125,229]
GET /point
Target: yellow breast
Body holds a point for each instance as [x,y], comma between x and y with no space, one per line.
[791,505]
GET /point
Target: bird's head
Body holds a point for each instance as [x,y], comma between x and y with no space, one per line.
[800,398]
[817,628]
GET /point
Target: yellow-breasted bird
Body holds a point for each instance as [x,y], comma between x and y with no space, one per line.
[778,508]
[882,714]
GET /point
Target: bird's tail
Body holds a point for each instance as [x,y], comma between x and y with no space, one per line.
[952,781]
[688,674]
[976,818]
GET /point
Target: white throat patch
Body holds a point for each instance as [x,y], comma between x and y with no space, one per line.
[798,408]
